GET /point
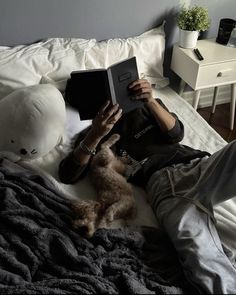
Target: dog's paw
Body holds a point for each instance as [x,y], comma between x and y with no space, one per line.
[109,216]
[115,137]
[105,221]
[84,229]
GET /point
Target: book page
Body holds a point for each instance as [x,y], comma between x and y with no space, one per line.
[120,76]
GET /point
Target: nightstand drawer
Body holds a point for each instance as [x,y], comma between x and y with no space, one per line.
[212,75]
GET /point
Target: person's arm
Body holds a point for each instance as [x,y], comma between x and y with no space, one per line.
[73,167]
[168,122]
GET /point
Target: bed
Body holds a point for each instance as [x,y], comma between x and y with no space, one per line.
[40,252]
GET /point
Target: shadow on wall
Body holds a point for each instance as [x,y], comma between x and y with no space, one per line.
[171,31]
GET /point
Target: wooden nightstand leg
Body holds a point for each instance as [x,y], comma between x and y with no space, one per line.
[196,99]
[232,105]
[181,87]
[216,91]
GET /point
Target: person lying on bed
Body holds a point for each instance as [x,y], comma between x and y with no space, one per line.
[182,183]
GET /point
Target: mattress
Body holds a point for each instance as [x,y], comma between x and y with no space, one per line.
[198,134]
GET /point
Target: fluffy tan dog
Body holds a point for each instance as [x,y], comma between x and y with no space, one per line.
[115,195]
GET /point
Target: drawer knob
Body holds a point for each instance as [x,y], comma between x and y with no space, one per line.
[220,74]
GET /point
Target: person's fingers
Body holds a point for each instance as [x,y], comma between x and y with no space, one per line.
[104,107]
[142,90]
[114,109]
[141,85]
[137,82]
[143,96]
[113,119]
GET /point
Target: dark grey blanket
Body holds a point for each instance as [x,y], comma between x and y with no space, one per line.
[40,253]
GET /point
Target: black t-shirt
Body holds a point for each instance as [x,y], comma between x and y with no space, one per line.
[141,137]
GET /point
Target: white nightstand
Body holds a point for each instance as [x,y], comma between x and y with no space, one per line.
[217,69]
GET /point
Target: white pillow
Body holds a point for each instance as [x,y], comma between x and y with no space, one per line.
[73,123]
[66,55]
[148,48]
[22,66]
[59,84]
[55,58]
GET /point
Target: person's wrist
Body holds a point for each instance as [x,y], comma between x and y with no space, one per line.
[150,100]
[88,145]
[86,149]
[93,136]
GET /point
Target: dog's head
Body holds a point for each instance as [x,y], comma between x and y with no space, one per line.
[86,217]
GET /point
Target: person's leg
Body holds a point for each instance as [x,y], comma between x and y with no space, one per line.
[198,245]
[217,182]
[191,230]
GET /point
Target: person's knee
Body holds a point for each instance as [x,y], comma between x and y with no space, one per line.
[234,145]
[230,149]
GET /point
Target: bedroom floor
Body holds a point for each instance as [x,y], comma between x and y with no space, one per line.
[220,120]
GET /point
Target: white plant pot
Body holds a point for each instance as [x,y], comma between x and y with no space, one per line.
[188,39]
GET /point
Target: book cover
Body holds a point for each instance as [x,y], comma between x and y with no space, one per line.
[88,90]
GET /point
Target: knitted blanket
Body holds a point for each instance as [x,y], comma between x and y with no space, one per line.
[41,253]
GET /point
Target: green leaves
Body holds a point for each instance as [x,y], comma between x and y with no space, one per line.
[193,19]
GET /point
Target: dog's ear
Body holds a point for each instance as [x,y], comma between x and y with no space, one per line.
[80,206]
[75,206]
[97,207]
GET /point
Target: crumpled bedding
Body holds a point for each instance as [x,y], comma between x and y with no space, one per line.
[198,134]
[41,253]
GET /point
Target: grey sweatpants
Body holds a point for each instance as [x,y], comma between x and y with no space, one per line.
[182,197]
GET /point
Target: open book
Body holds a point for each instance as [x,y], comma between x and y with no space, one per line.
[88,90]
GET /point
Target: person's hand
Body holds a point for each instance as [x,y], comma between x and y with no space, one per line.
[141,90]
[105,120]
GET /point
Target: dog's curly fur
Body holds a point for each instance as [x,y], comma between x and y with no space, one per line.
[115,195]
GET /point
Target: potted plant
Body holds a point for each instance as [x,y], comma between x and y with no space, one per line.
[190,22]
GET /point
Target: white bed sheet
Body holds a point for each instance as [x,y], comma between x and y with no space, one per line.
[198,134]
